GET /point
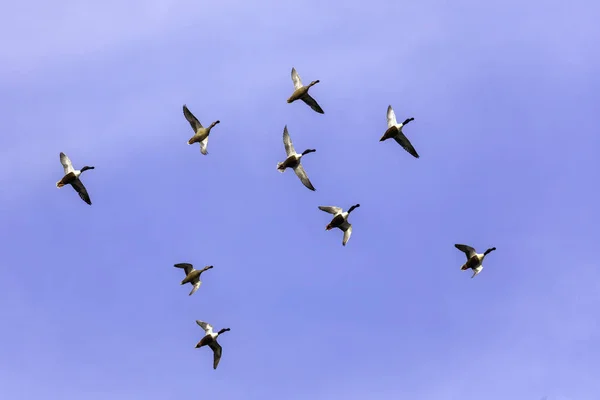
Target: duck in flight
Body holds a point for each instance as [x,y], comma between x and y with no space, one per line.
[210,340]
[192,275]
[71,177]
[301,92]
[474,260]
[293,160]
[340,220]
[394,131]
[200,133]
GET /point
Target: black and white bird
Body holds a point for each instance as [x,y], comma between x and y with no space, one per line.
[293,160]
[394,131]
[210,340]
[340,220]
[474,259]
[71,177]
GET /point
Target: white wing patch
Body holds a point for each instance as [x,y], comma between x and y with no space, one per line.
[296,79]
[203,146]
[206,326]
[196,287]
[287,142]
[330,209]
[347,233]
[391,117]
[66,163]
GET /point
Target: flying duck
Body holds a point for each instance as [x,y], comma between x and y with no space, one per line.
[340,220]
[200,133]
[293,160]
[301,92]
[72,178]
[210,340]
[192,275]
[474,260]
[394,131]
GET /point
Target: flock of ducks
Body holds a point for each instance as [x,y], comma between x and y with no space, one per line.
[293,160]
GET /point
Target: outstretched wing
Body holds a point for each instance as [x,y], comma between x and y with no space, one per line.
[187,268]
[347,228]
[312,103]
[391,117]
[204,146]
[330,209]
[194,123]
[66,163]
[405,143]
[301,173]
[217,351]
[287,142]
[79,188]
[196,286]
[296,79]
[468,250]
[206,326]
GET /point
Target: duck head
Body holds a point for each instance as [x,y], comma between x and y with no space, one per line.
[489,251]
[353,207]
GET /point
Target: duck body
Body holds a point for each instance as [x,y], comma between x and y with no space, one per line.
[68,178]
[337,221]
[289,162]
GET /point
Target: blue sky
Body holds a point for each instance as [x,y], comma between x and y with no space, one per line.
[504,96]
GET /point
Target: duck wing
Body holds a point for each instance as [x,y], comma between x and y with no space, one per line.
[312,103]
[82,191]
[301,173]
[296,79]
[217,351]
[194,123]
[187,268]
[66,163]
[468,250]
[405,143]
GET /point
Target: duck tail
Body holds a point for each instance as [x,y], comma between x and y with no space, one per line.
[59,184]
[279,167]
[328,227]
